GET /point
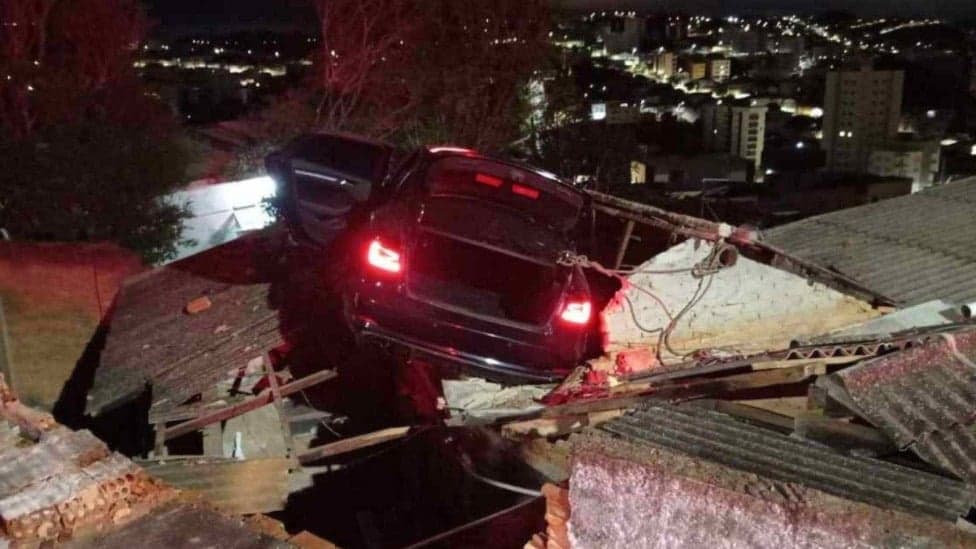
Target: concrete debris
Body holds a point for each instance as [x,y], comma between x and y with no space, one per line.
[67,486]
[479,400]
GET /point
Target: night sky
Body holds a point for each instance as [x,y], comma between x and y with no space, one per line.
[179,15]
[182,14]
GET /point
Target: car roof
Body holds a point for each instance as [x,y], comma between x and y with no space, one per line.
[447,151]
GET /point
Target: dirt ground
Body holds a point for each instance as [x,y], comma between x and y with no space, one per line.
[54,296]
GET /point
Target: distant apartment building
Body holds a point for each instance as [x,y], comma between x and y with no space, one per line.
[719,69]
[696,67]
[914,160]
[615,112]
[622,34]
[862,110]
[665,30]
[748,133]
[744,42]
[716,126]
[786,44]
[688,171]
[739,130]
[663,63]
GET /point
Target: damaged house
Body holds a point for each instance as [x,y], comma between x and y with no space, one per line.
[811,386]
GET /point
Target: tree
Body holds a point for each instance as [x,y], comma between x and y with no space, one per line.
[86,152]
[360,67]
[428,69]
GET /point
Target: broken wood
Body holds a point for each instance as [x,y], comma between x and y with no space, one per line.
[750,413]
[352,444]
[308,540]
[557,426]
[624,243]
[844,435]
[633,394]
[262,399]
[32,423]
[736,382]
[276,397]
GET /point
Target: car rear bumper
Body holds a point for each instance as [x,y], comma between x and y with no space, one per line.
[475,362]
[495,349]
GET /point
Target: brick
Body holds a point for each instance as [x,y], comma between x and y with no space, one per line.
[198,305]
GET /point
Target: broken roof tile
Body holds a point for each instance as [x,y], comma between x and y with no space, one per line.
[720,438]
[896,247]
[923,397]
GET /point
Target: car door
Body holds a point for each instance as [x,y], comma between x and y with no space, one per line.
[323,179]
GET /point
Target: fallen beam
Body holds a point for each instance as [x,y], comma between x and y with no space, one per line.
[262,399]
[557,426]
[845,435]
[633,394]
[352,444]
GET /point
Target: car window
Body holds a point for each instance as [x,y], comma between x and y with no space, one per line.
[544,199]
[356,158]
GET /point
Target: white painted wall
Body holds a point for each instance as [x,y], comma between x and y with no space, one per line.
[749,306]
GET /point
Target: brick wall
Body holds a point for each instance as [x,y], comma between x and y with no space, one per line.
[749,306]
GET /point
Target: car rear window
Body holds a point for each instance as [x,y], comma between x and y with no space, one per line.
[354,158]
[544,199]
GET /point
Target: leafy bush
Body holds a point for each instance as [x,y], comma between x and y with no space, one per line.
[94,182]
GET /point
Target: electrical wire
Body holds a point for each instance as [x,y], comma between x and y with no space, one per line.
[633,316]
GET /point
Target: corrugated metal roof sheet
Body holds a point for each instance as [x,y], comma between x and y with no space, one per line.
[924,398]
[913,248]
[722,439]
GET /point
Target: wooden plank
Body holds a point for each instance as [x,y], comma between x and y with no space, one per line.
[276,398]
[636,393]
[308,540]
[557,426]
[750,413]
[351,444]
[736,382]
[179,524]
[844,435]
[236,486]
[624,243]
[262,399]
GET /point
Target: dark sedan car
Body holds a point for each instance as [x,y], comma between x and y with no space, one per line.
[457,254]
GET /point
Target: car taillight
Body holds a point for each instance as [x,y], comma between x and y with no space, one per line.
[527,192]
[577,312]
[382,257]
[489,180]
